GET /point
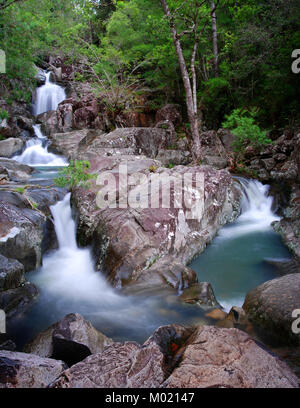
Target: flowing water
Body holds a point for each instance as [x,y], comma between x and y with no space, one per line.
[36,152]
[68,282]
[237,259]
[235,262]
[48,96]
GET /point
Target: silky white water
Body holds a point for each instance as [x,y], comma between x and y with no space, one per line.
[236,261]
[36,152]
[48,96]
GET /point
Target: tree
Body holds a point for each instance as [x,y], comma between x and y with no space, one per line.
[215,38]
[192,17]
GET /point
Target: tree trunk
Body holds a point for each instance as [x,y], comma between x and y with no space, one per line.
[191,97]
[215,39]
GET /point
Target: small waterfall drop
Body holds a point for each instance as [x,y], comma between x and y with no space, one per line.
[48,96]
[257,213]
[235,262]
[36,152]
[69,271]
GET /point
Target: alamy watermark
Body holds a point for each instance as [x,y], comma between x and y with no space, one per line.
[2,322]
[2,62]
[184,191]
[296,322]
[296,63]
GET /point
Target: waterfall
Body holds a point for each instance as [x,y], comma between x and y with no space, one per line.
[69,271]
[48,96]
[257,213]
[36,152]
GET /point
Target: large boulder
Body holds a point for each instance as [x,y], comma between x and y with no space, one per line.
[127,365]
[289,226]
[270,307]
[11,170]
[24,227]
[170,113]
[228,358]
[16,295]
[16,301]
[179,357]
[71,339]
[11,273]
[20,370]
[11,147]
[128,242]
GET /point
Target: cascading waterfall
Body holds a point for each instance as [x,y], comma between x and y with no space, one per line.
[237,259]
[36,152]
[69,271]
[257,213]
[48,96]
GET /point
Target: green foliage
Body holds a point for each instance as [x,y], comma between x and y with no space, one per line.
[242,124]
[75,175]
[3,115]
[20,190]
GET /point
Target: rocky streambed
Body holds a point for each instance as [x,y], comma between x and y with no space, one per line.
[127,269]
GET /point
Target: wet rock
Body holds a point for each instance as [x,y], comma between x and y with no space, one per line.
[228,358]
[20,370]
[11,147]
[128,243]
[14,171]
[289,226]
[71,339]
[127,365]
[270,307]
[6,343]
[67,143]
[17,301]
[23,230]
[11,273]
[179,357]
[201,294]
[21,234]
[49,122]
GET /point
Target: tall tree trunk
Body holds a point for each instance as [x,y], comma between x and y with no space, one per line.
[215,39]
[191,97]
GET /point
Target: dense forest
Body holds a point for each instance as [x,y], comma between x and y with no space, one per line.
[243,52]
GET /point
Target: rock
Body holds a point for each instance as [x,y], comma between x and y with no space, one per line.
[270,307]
[67,143]
[169,112]
[213,151]
[23,230]
[179,357]
[71,339]
[201,294]
[10,147]
[289,226]
[21,234]
[238,315]
[228,358]
[216,314]
[39,76]
[49,122]
[14,171]
[284,267]
[127,365]
[17,301]
[126,241]
[11,273]
[20,370]
[6,343]
[227,139]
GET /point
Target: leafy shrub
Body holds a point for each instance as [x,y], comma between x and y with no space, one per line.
[3,114]
[242,124]
[75,175]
